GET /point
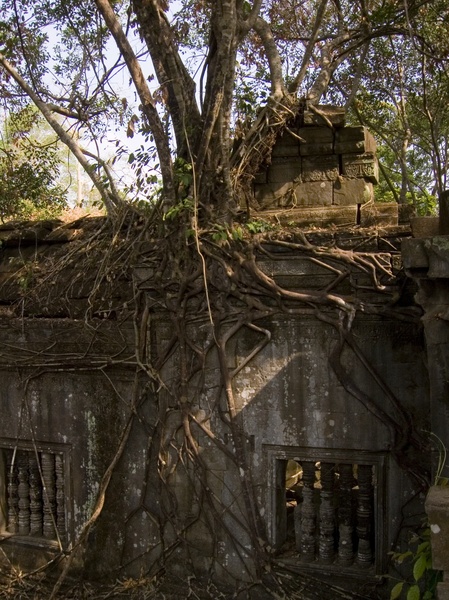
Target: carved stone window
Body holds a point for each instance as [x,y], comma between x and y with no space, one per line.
[328,508]
[33,493]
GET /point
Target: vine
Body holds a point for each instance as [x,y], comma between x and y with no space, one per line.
[222,287]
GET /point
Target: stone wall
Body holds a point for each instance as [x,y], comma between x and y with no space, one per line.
[299,463]
[426,260]
[291,409]
[319,166]
[437,508]
[55,406]
[70,390]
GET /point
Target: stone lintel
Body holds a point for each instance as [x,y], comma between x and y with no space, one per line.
[359,166]
[293,268]
[23,237]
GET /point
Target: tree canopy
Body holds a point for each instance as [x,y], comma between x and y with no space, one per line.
[222,78]
[29,167]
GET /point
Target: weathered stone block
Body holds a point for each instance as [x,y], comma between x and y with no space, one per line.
[437,509]
[354,139]
[324,115]
[261,177]
[444,213]
[359,166]
[406,213]
[352,191]
[414,255]
[438,252]
[314,193]
[23,237]
[316,140]
[275,194]
[379,213]
[320,168]
[284,169]
[424,227]
[443,590]
[287,145]
[320,216]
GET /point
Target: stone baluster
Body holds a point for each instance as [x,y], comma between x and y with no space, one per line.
[35,497]
[13,498]
[345,516]
[60,496]
[49,495]
[365,515]
[306,542]
[23,491]
[326,544]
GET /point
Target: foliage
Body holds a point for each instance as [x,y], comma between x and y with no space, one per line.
[403,100]
[183,206]
[258,226]
[419,553]
[388,60]
[424,577]
[29,169]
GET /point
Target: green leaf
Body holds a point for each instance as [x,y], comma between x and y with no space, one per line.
[422,547]
[420,567]
[414,593]
[237,233]
[399,558]
[396,591]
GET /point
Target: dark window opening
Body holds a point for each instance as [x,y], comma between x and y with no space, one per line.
[32,494]
[327,512]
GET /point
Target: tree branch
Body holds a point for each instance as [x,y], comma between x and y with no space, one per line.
[294,86]
[111,202]
[274,60]
[148,105]
[171,74]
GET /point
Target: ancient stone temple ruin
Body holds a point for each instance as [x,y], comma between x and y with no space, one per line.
[320,417]
[324,175]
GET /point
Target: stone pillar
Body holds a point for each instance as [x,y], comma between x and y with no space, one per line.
[306,543]
[444,213]
[426,260]
[437,509]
